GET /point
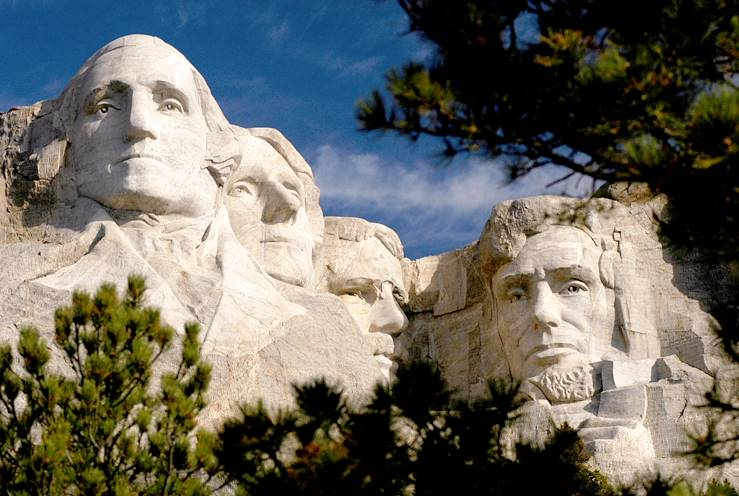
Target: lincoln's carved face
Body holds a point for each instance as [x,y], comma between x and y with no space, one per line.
[265,200]
[548,299]
[139,138]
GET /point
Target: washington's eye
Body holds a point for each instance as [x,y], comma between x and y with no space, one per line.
[171,105]
[575,287]
[104,107]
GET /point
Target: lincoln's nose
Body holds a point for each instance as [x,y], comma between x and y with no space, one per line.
[546,312]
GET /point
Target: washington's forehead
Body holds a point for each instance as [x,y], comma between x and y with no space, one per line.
[134,64]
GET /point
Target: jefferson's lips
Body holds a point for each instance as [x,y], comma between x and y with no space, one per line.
[551,346]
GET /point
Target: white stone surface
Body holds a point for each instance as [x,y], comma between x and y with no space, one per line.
[361,264]
[134,169]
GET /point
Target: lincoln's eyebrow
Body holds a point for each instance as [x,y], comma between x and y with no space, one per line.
[168,89]
[100,92]
[512,279]
[575,272]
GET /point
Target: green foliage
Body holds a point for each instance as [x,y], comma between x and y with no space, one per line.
[410,439]
[618,91]
[99,427]
[623,90]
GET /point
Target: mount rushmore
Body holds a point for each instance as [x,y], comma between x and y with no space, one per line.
[135,169]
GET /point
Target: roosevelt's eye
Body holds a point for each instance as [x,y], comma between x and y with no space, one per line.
[516,294]
[574,287]
[171,105]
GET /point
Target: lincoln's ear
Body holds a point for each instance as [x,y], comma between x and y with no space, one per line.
[224,155]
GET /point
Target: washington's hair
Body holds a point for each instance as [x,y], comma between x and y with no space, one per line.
[70,98]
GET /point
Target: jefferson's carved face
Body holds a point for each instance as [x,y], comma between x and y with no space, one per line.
[139,138]
[266,204]
[370,283]
[548,299]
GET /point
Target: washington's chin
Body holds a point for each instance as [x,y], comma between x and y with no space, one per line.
[288,270]
[139,184]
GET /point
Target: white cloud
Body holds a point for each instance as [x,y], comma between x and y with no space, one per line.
[279,32]
[433,208]
[362,67]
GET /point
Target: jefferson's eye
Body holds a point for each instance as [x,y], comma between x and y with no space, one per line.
[574,287]
[171,105]
[240,189]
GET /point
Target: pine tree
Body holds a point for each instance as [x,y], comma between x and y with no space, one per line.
[101,428]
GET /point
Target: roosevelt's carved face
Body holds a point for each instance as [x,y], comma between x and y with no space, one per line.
[265,200]
[369,282]
[548,299]
[139,139]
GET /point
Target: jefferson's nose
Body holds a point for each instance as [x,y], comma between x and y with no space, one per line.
[281,204]
[140,125]
[546,307]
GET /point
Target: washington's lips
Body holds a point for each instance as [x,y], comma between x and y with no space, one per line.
[551,346]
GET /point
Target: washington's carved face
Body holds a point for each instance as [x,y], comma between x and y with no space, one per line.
[371,287]
[139,138]
[548,299]
[266,204]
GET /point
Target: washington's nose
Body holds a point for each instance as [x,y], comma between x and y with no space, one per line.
[546,307]
[282,204]
[140,123]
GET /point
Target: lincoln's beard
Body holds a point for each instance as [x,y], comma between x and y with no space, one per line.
[567,384]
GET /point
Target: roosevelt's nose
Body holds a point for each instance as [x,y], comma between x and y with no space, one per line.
[547,313]
[282,204]
[387,316]
[140,119]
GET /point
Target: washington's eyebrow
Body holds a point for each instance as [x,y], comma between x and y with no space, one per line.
[100,92]
[168,89]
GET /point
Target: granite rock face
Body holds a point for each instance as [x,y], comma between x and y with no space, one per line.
[134,169]
[580,302]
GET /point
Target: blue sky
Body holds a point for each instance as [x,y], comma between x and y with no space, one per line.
[296,65]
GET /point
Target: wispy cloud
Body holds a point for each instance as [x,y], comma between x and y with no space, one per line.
[279,32]
[186,11]
[362,67]
[430,206]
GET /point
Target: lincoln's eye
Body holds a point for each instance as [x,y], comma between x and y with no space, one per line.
[103,109]
[575,287]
